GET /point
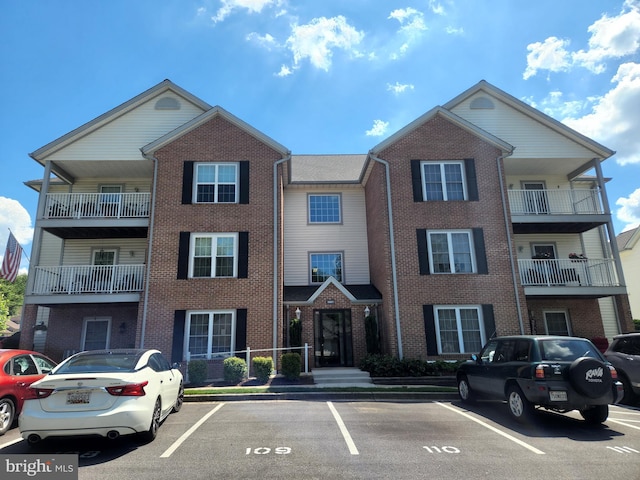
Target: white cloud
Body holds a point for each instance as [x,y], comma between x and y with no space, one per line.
[14,217]
[454,31]
[253,6]
[629,211]
[436,7]
[615,116]
[284,71]
[267,41]
[548,55]
[411,20]
[318,39]
[379,129]
[399,88]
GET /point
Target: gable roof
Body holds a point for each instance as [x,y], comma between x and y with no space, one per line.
[205,117]
[449,116]
[96,123]
[628,239]
[559,127]
[307,294]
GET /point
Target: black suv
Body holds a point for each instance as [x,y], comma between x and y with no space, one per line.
[624,355]
[557,373]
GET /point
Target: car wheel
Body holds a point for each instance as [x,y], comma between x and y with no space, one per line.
[590,377]
[519,407]
[464,390]
[7,415]
[630,398]
[596,414]
[180,400]
[151,434]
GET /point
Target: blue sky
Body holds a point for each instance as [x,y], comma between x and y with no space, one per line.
[330,76]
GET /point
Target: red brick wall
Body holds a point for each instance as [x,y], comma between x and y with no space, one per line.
[217,140]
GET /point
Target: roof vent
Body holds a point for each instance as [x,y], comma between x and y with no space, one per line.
[481,103]
[167,103]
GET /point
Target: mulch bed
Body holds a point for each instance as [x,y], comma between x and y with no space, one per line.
[277,381]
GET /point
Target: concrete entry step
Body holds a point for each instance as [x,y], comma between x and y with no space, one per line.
[341,376]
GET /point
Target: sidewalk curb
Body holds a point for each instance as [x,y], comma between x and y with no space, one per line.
[326,396]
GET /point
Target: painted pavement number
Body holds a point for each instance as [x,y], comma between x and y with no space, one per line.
[443,449]
[268,450]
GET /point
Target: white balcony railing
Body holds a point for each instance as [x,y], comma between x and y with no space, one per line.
[555,202]
[566,272]
[82,279]
[92,205]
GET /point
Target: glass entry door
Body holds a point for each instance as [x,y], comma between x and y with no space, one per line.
[333,345]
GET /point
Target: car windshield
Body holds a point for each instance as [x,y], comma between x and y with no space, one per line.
[100,363]
[566,350]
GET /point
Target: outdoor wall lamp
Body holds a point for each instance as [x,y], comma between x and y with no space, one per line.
[298,312]
[367,311]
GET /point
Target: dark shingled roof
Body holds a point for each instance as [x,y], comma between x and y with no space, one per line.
[303,293]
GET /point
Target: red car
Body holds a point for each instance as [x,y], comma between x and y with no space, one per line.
[18,370]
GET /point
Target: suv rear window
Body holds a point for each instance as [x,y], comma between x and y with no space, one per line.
[561,350]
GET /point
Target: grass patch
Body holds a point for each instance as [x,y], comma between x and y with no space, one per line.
[245,390]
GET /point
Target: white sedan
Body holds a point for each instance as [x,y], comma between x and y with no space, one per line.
[103,392]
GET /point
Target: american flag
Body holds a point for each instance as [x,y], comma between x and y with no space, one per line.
[11,262]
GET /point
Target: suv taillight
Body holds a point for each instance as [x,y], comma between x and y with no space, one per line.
[614,374]
[540,371]
[129,390]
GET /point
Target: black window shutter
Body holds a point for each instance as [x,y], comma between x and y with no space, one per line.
[243,254]
[177,349]
[472,181]
[416,181]
[430,329]
[187,183]
[183,255]
[423,253]
[241,330]
[489,321]
[481,254]
[244,182]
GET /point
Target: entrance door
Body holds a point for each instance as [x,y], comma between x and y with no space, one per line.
[333,345]
[536,200]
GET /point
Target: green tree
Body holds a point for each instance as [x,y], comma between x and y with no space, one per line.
[4,313]
[13,293]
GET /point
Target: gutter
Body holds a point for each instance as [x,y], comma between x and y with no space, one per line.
[152,217]
[392,245]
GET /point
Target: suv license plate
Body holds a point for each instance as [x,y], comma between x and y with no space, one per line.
[75,398]
[558,396]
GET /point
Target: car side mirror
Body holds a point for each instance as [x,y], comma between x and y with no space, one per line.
[176,366]
[475,358]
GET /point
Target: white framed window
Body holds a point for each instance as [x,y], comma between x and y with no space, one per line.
[556,322]
[324,208]
[210,333]
[459,329]
[213,255]
[443,181]
[216,183]
[325,265]
[96,333]
[451,251]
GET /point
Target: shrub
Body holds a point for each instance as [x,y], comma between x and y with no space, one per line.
[389,366]
[235,369]
[636,323]
[197,370]
[291,363]
[262,366]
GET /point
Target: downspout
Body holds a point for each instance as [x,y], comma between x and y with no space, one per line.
[507,223]
[152,217]
[392,245]
[275,258]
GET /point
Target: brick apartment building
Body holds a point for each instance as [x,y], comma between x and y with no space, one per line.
[172,224]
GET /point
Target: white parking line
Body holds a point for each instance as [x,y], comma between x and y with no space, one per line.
[624,423]
[12,442]
[343,429]
[167,453]
[494,429]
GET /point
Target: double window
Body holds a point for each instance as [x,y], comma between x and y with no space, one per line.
[325,265]
[451,252]
[214,255]
[216,183]
[324,208]
[210,333]
[459,329]
[444,180]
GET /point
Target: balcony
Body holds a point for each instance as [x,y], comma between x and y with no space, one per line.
[555,211]
[592,277]
[88,280]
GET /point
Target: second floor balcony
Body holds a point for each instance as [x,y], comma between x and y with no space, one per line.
[96,205]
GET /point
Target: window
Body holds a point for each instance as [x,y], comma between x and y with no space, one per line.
[459,329]
[96,333]
[443,181]
[555,323]
[451,252]
[325,265]
[210,333]
[216,182]
[324,208]
[213,255]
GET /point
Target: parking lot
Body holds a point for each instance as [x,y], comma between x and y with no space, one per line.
[364,440]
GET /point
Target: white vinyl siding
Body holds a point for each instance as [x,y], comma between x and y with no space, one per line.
[348,237]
